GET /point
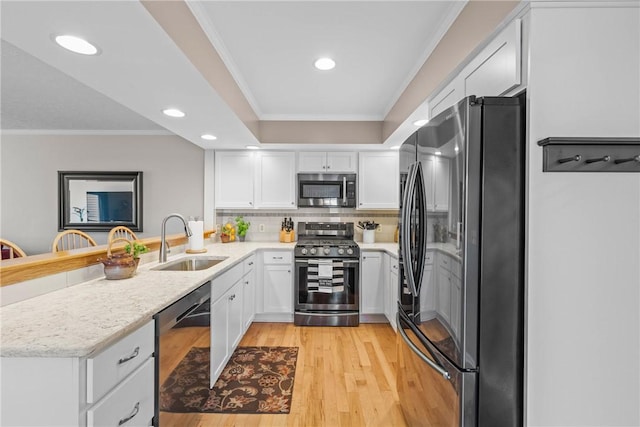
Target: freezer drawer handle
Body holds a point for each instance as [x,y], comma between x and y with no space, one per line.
[417,351]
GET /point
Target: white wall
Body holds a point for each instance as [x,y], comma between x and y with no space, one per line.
[583,350]
[173,171]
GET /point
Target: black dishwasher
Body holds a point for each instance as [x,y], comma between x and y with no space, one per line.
[179,327]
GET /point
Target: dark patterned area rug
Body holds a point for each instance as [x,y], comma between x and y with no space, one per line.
[256,380]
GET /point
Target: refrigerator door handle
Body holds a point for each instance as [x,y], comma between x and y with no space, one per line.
[407,207]
[419,186]
[417,351]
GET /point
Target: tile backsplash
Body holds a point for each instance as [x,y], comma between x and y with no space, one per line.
[270,221]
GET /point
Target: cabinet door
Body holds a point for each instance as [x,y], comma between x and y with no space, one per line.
[235,324]
[449,95]
[219,337]
[378,180]
[497,69]
[278,289]
[276,180]
[234,179]
[441,175]
[341,162]
[436,174]
[312,161]
[455,306]
[443,290]
[392,291]
[248,299]
[372,283]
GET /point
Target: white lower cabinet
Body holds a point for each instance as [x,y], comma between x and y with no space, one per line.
[249,292]
[130,403]
[391,293]
[449,292]
[275,294]
[227,326]
[113,387]
[372,283]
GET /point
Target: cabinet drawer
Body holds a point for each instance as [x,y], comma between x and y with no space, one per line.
[450,264]
[129,404]
[225,281]
[113,364]
[249,264]
[428,257]
[277,257]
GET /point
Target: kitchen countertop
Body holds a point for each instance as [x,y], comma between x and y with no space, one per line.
[80,320]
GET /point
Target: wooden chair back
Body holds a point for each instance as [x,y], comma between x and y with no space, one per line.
[11,250]
[122,232]
[72,239]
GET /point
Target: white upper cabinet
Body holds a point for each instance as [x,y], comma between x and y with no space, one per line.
[244,179]
[276,180]
[329,162]
[234,179]
[378,180]
[495,71]
[436,176]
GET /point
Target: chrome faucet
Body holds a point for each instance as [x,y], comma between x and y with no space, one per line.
[163,241]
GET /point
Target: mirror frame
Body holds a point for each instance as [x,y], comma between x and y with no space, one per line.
[64,211]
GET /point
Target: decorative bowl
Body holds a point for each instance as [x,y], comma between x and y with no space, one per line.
[119,266]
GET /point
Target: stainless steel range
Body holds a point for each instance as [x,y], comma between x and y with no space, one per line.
[327,275]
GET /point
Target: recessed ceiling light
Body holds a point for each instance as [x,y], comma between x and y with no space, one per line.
[76,44]
[325,64]
[173,112]
[252,147]
[209,137]
[438,153]
[421,122]
[455,148]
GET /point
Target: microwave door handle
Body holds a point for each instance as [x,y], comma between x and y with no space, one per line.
[344,189]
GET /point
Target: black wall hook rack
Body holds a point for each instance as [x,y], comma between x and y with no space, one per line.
[590,154]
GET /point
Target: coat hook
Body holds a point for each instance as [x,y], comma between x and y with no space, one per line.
[575,158]
[631,159]
[601,159]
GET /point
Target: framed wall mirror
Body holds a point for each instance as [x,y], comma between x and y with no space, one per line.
[99,201]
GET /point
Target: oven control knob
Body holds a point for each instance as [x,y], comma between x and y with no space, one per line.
[312,251]
[350,251]
[327,251]
[340,251]
[303,251]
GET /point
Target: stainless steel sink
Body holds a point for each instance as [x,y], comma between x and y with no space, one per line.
[191,263]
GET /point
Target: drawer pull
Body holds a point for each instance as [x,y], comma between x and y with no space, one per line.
[251,263]
[277,257]
[136,409]
[132,356]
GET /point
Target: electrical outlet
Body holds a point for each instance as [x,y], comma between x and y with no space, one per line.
[379,229]
[218,229]
[261,228]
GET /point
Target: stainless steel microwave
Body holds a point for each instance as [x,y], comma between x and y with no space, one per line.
[326,190]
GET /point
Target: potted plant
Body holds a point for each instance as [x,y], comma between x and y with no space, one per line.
[135,249]
[243,227]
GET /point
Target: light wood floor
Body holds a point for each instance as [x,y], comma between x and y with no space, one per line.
[344,377]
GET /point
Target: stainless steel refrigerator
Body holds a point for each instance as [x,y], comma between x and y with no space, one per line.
[461,280]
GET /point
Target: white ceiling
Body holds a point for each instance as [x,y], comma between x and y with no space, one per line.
[269,48]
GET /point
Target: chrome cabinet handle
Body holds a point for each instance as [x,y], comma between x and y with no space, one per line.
[277,257]
[136,409]
[232,297]
[251,263]
[133,355]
